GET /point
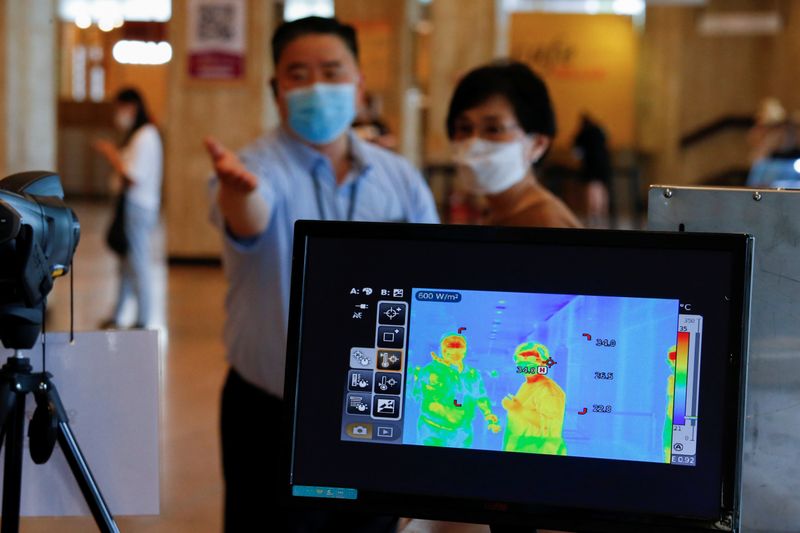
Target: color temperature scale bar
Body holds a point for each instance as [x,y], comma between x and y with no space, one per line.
[687,381]
[681,374]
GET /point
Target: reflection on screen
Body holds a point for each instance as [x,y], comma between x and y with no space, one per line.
[573,375]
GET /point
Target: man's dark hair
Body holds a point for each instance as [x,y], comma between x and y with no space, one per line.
[289,31]
[525,91]
[132,96]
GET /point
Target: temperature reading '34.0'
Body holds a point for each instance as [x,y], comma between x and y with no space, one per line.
[609,343]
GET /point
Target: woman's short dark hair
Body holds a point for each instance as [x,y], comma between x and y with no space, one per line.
[132,96]
[289,31]
[525,91]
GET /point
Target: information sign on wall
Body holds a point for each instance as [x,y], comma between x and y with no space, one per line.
[216,39]
[589,65]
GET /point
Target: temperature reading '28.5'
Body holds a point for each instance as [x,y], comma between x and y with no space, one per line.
[603,375]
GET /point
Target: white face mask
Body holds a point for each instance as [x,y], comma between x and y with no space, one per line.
[124,120]
[490,167]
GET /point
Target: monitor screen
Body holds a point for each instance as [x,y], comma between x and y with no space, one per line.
[546,377]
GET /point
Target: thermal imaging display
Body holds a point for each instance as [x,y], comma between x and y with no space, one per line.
[572,375]
[576,380]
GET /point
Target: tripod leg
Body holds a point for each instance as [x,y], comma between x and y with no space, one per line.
[46,394]
[12,471]
[7,403]
[89,488]
[47,398]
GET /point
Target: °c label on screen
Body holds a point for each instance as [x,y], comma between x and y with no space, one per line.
[324,492]
[439,296]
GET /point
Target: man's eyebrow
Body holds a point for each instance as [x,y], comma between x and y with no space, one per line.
[297,65]
[332,63]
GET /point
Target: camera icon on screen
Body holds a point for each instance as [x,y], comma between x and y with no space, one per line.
[359,430]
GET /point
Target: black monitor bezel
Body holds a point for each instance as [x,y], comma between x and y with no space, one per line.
[443,508]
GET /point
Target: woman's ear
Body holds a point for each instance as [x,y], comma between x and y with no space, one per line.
[538,147]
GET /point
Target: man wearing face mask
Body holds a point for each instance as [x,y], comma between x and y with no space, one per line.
[311,167]
[501,122]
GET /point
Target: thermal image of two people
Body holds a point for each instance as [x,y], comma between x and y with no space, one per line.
[549,374]
[450,394]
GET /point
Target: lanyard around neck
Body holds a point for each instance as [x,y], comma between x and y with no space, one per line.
[321,207]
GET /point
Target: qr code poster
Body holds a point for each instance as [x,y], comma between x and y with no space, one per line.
[216,36]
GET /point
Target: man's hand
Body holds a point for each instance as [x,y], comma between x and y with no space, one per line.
[229,168]
[245,212]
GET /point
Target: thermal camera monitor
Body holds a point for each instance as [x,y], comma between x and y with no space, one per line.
[538,368]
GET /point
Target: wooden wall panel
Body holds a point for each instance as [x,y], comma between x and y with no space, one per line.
[688,80]
[779,58]
[462,38]
[658,101]
[234,112]
[385,52]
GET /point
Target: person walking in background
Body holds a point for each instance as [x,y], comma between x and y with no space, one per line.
[137,163]
[500,123]
[774,143]
[591,148]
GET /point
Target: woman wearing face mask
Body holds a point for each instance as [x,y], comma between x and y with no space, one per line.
[500,123]
[137,164]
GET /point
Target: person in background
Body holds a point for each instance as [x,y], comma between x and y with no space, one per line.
[501,123]
[772,132]
[369,125]
[310,167]
[591,148]
[774,143]
[137,163]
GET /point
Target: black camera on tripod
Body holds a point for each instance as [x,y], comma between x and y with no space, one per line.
[38,238]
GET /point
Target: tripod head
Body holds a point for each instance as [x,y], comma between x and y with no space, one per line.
[19,327]
[38,238]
